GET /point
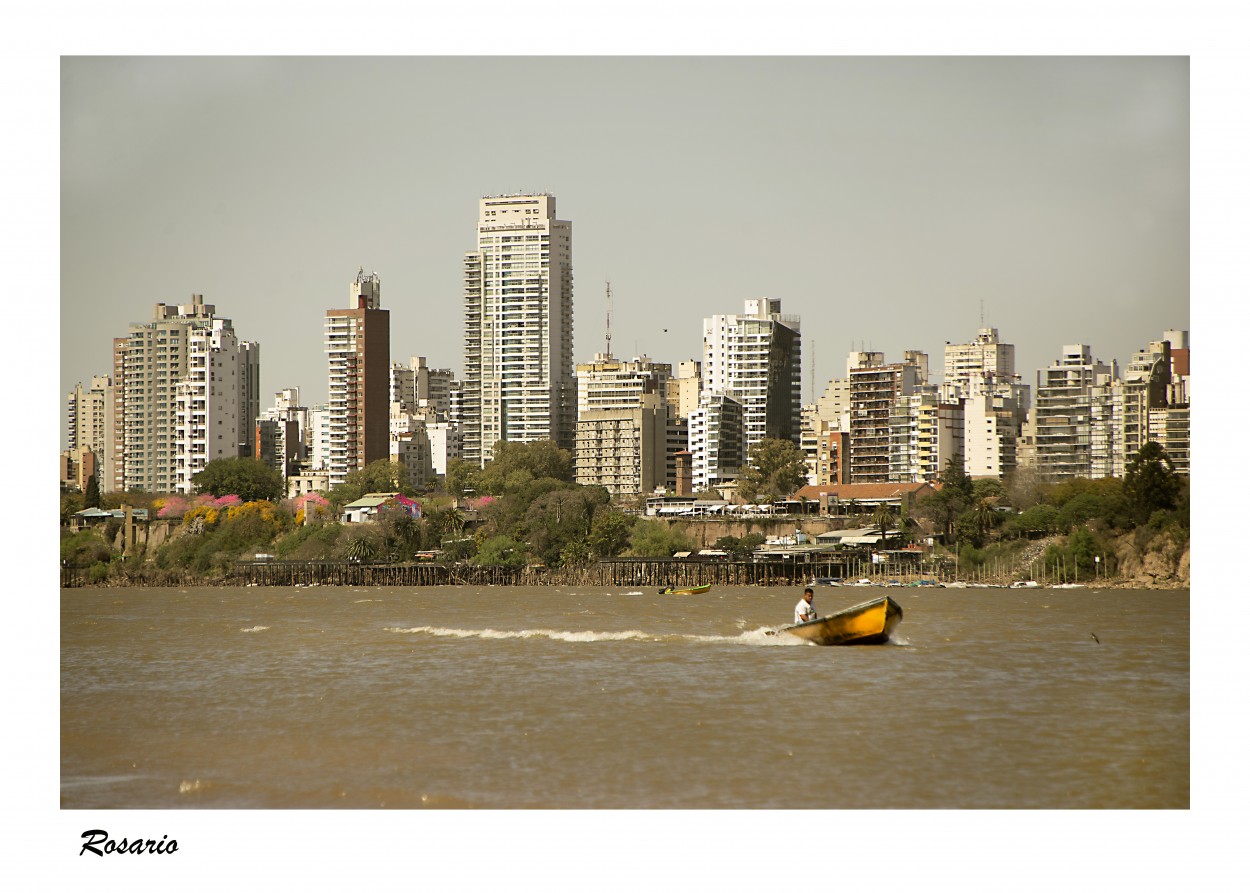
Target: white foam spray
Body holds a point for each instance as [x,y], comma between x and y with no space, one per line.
[761,636]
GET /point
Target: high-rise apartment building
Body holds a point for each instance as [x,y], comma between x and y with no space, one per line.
[518,383]
[609,383]
[422,390]
[873,387]
[985,356]
[624,450]
[1063,423]
[318,438]
[410,447]
[358,344]
[925,433]
[1091,422]
[445,445]
[993,426]
[982,373]
[627,434]
[682,390]
[717,441]
[166,426]
[756,358]
[215,407]
[89,418]
[114,478]
[283,432]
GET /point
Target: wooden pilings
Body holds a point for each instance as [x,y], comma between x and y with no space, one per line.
[620,572]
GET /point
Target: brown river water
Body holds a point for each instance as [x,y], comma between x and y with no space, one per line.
[512,697]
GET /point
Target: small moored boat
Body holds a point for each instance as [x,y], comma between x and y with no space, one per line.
[686,590]
[869,623]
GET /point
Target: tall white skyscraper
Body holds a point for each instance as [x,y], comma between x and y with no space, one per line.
[215,407]
[518,327]
[756,359]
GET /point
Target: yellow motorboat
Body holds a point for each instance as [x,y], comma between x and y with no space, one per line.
[869,623]
[688,590]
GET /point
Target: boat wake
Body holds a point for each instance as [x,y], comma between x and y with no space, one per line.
[554,634]
[761,636]
[254,629]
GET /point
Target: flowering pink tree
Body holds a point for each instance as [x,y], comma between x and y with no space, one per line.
[310,507]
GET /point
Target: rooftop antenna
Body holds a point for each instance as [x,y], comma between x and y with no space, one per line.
[609,329]
[811,390]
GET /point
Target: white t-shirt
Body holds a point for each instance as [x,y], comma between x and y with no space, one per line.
[803,611]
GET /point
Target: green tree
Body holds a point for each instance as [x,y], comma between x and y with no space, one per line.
[85,548]
[576,553]
[91,496]
[462,478]
[516,464]
[954,478]
[883,519]
[1040,520]
[362,547]
[776,468]
[750,542]
[501,551]
[656,539]
[1082,547]
[71,502]
[985,515]
[1024,488]
[249,479]
[555,520]
[987,488]
[1151,483]
[945,507]
[401,533]
[609,533]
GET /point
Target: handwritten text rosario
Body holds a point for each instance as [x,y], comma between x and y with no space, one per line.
[100,843]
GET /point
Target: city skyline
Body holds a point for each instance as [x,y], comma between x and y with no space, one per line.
[1047,198]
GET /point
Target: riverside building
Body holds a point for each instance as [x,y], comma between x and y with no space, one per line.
[873,388]
[89,424]
[358,347]
[187,391]
[1064,418]
[982,374]
[518,383]
[756,358]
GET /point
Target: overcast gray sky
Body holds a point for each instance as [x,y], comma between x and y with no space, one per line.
[885,201]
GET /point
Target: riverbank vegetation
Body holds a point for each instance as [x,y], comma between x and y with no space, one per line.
[524,509]
[1135,527]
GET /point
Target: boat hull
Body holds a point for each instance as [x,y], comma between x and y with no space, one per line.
[870,623]
[689,590]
